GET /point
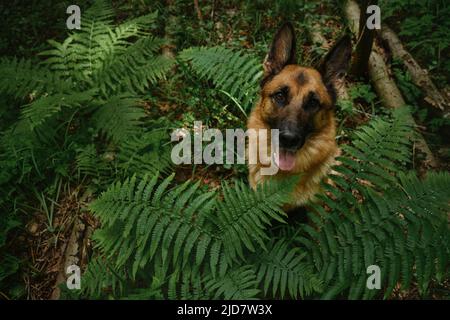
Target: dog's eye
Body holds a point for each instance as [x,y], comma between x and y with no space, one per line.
[312,104]
[280,98]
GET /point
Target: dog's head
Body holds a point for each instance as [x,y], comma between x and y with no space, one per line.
[298,100]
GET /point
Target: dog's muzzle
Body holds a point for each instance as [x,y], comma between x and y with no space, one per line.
[292,137]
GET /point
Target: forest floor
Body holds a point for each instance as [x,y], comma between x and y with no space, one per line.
[224,24]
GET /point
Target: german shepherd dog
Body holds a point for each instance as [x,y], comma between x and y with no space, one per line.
[299,102]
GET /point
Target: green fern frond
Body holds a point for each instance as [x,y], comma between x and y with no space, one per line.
[141,23]
[398,221]
[284,269]
[102,46]
[21,78]
[45,106]
[8,265]
[89,163]
[243,216]
[399,231]
[159,226]
[61,59]
[236,73]
[104,280]
[100,11]
[378,151]
[145,153]
[238,284]
[119,117]
[147,212]
[138,60]
[115,59]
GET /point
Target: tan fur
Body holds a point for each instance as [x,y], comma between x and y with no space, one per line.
[316,156]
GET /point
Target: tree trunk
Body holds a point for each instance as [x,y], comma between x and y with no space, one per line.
[366,36]
[419,76]
[384,85]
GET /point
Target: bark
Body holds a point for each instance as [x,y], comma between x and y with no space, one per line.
[384,85]
[71,255]
[364,44]
[419,76]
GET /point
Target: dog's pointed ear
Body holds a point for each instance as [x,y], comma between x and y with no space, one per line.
[335,64]
[282,50]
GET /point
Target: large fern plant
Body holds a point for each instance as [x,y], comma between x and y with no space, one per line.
[81,100]
[98,69]
[86,86]
[195,245]
[380,214]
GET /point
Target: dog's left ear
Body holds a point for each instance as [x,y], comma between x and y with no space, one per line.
[282,50]
[335,64]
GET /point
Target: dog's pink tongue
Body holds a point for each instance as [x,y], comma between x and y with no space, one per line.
[286,160]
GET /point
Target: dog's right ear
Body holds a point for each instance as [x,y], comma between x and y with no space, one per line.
[282,51]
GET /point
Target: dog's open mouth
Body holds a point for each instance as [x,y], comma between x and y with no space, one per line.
[285,160]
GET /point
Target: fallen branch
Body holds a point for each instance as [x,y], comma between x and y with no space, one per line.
[71,255]
[418,75]
[384,85]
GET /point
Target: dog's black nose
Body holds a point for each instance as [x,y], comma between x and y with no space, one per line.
[289,140]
